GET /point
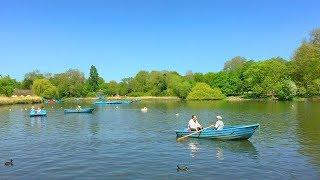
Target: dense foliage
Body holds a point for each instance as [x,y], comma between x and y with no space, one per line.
[268,78]
[44,88]
[7,85]
[202,91]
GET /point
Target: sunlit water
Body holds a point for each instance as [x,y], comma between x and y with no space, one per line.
[125,143]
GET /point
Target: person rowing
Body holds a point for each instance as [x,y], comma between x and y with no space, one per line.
[193,124]
[219,124]
[38,111]
[32,110]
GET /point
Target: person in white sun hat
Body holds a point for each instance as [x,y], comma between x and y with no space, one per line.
[219,124]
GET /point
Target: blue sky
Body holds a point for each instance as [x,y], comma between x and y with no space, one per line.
[122,37]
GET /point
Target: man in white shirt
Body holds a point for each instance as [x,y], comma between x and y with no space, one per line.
[219,124]
[194,125]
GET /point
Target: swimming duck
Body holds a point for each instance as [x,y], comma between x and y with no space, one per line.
[182,168]
[145,109]
[177,114]
[9,163]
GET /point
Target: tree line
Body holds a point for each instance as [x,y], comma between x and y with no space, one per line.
[274,77]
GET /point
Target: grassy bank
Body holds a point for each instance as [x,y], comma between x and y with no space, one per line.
[20,100]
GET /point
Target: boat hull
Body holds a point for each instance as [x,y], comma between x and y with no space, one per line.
[84,110]
[227,133]
[42,113]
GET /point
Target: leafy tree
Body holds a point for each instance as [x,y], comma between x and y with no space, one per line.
[157,83]
[315,37]
[112,88]
[44,88]
[264,77]
[7,85]
[235,64]
[93,79]
[178,86]
[306,65]
[30,77]
[202,91]
[228,82]
[199,77]
[70,84]
[139,82]
[287,90]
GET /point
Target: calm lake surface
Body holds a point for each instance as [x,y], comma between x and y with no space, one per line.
[125,143]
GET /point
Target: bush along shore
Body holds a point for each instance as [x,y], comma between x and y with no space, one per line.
[20,100]
[274,78]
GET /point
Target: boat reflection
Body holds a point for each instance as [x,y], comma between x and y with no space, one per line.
[194,148]
[221,148]
[37,121]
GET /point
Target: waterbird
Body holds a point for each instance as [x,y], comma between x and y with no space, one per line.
[9,163]
[10,109]
[182,168]
[177,114]
[145,109]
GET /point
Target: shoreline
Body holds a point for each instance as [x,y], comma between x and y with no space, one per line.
[37,99]
[20,100]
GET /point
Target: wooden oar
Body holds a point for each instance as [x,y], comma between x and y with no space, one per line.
[180,138]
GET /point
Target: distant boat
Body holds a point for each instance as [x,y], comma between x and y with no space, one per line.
[35,113]
[227,133]
[112,102]
[83,110]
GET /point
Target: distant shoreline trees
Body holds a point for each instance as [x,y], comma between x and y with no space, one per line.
[274,77]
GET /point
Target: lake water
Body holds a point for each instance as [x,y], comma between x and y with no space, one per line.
[125,143]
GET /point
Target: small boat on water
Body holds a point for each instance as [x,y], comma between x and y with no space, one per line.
[112,102]
[227,133]
[35,113]
[82,110]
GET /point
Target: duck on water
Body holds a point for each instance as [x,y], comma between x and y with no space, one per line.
[9,163]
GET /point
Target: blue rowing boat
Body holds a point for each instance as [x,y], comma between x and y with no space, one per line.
[227,133]
[83,110]
[34,113]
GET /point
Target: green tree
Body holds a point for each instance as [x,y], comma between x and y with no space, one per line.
[306,66]
[44,88]
[157,83]
[263,78]
[287,90]
[315,37]
[70,84]
[229,82]
[30,77]
[7,85]
[177,85]
[202,91]
[139,82]
[93,79]
[235,64]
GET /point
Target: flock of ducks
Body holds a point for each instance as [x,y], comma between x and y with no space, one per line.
[179,167]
